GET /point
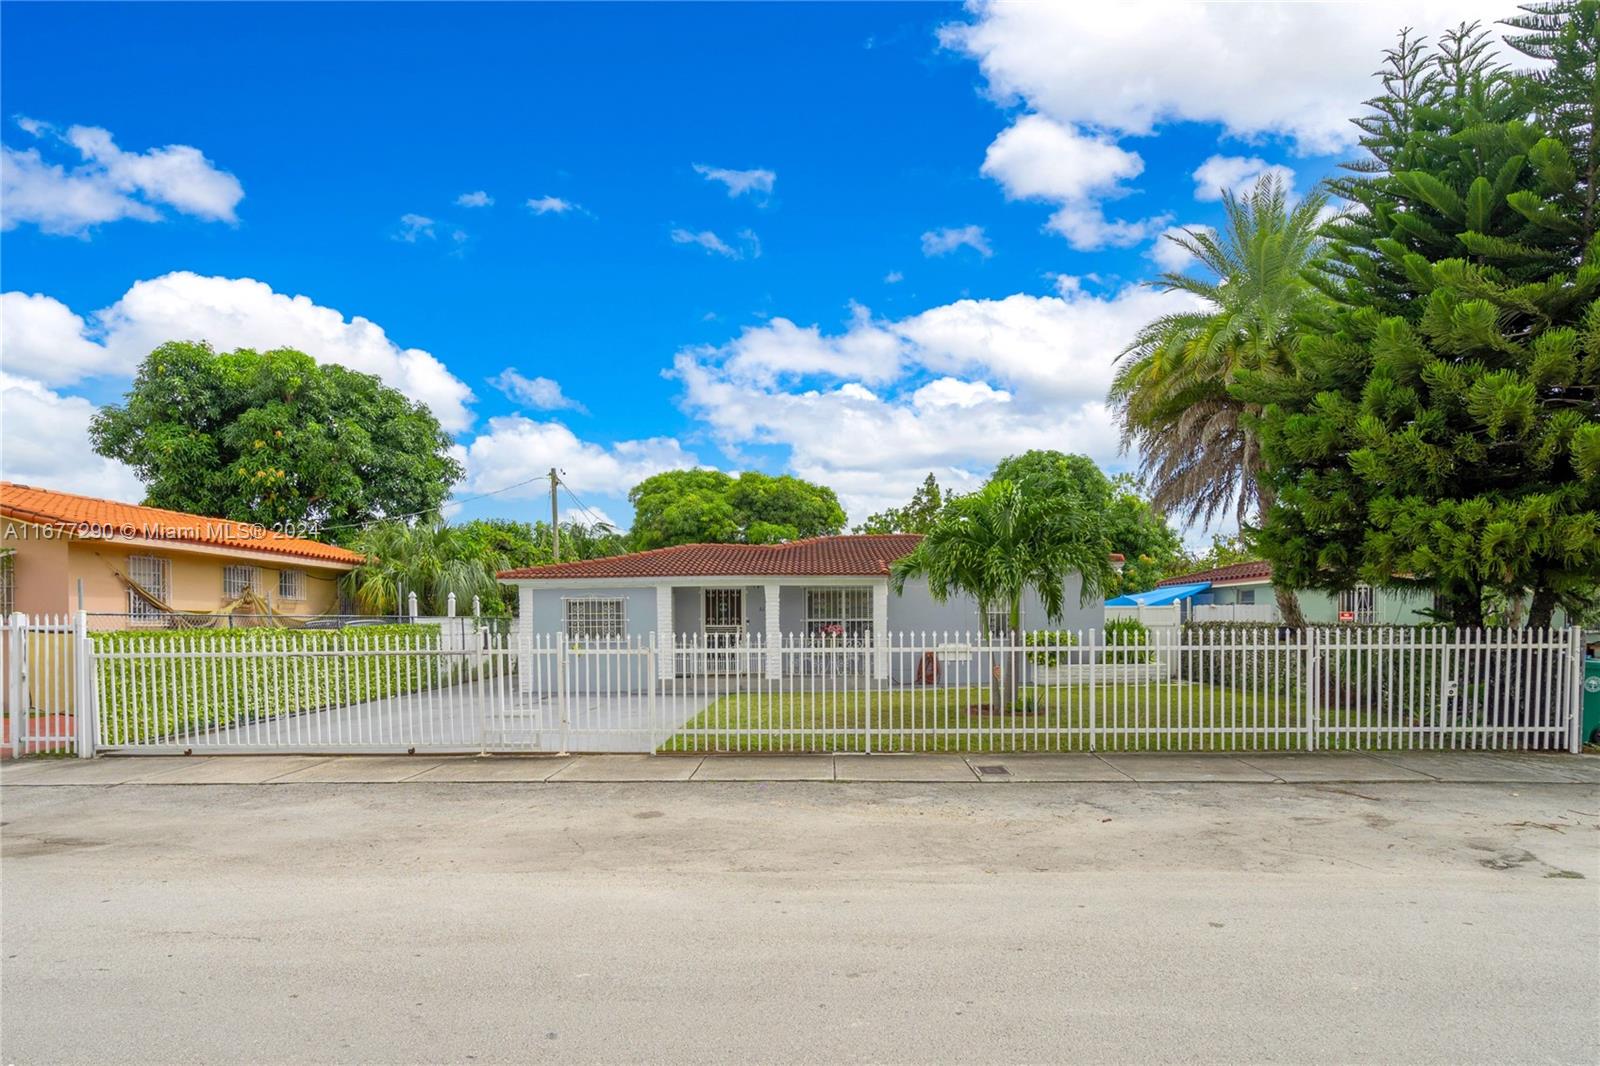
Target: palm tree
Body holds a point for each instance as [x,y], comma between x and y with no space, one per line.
[1171,392]
[998,543]
[430,558]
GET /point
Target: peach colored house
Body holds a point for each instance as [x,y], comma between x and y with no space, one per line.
[52,541]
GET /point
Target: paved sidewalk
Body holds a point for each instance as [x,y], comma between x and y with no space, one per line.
[1266,768]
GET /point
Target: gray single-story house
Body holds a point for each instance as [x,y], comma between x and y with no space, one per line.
[828,589]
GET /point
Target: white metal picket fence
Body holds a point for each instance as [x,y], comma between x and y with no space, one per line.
[44,683]
[1199,689]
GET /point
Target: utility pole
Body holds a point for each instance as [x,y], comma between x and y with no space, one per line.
[555,520]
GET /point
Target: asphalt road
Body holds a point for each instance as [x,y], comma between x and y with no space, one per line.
[801,922]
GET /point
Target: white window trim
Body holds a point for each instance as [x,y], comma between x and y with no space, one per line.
[608,614]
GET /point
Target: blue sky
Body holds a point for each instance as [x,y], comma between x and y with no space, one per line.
[853,242]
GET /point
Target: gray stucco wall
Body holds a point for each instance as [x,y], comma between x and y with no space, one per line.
[916,611]
[913,611]
[639,607]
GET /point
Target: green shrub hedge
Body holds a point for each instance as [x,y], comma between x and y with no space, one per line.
[1407,673]
[1126,634]
[1052,644]
[159,684]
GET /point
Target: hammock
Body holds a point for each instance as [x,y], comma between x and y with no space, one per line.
[254,606]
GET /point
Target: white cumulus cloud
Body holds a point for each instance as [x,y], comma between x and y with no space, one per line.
[514,448]
[715,245]
[541,393]
[1236,174]
[44,441]
[414,228]
[228,313]
[551,205]
[1297,70]
[944,241]
[738,182]
[1040,159]
[1168,254]
[106,183]
[43,339]
[475,199]
[872,408]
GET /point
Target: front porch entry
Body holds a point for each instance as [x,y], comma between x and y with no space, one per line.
[723,627]
[739,636]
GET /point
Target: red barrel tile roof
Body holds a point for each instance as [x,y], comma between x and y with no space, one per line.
[861,555]
[110,520]
[1255,570]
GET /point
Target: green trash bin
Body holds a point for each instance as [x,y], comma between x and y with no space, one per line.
[1591,700]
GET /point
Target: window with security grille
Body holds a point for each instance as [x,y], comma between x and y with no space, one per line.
[594,618]
[235,579]
[153,574]
[8,582]
[841,612]
[1358,605]
[1247,597]
[291,584]
[1000,621]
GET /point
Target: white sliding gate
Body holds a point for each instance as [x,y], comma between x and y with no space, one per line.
[1199,689]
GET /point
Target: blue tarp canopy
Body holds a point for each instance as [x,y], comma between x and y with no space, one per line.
[1160,597]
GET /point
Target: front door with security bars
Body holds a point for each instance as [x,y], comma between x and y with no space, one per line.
[724,629]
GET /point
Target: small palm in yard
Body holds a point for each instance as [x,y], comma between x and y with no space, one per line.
[1000,542]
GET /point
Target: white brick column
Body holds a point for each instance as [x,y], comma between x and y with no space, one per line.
[666,636]
[774,634]
[880,631]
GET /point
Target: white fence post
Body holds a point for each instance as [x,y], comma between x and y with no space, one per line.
[653,678]
[83,701]
[16,683]
[1575,702]
[411,601]
[561,688]
[1312,680]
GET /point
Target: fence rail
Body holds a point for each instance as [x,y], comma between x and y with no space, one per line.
[473,688]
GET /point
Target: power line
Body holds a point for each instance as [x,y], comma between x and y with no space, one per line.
[585,508]
[419,514]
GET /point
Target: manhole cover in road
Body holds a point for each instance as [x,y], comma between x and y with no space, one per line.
[994,771]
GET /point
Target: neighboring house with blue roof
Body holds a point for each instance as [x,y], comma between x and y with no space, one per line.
[1243,592]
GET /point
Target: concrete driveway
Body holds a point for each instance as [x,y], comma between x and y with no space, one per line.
[1130,922]
[464,718]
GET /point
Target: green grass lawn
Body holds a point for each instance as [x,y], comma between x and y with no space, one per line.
[1119,718]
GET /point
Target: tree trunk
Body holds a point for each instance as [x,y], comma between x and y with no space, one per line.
[1466,612]
[1011,657]
[1289,606]
[994,662]
[1288,602]
[1543,610]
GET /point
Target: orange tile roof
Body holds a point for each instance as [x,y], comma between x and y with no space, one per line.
[859,555]
[90,517]
[1255,570]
